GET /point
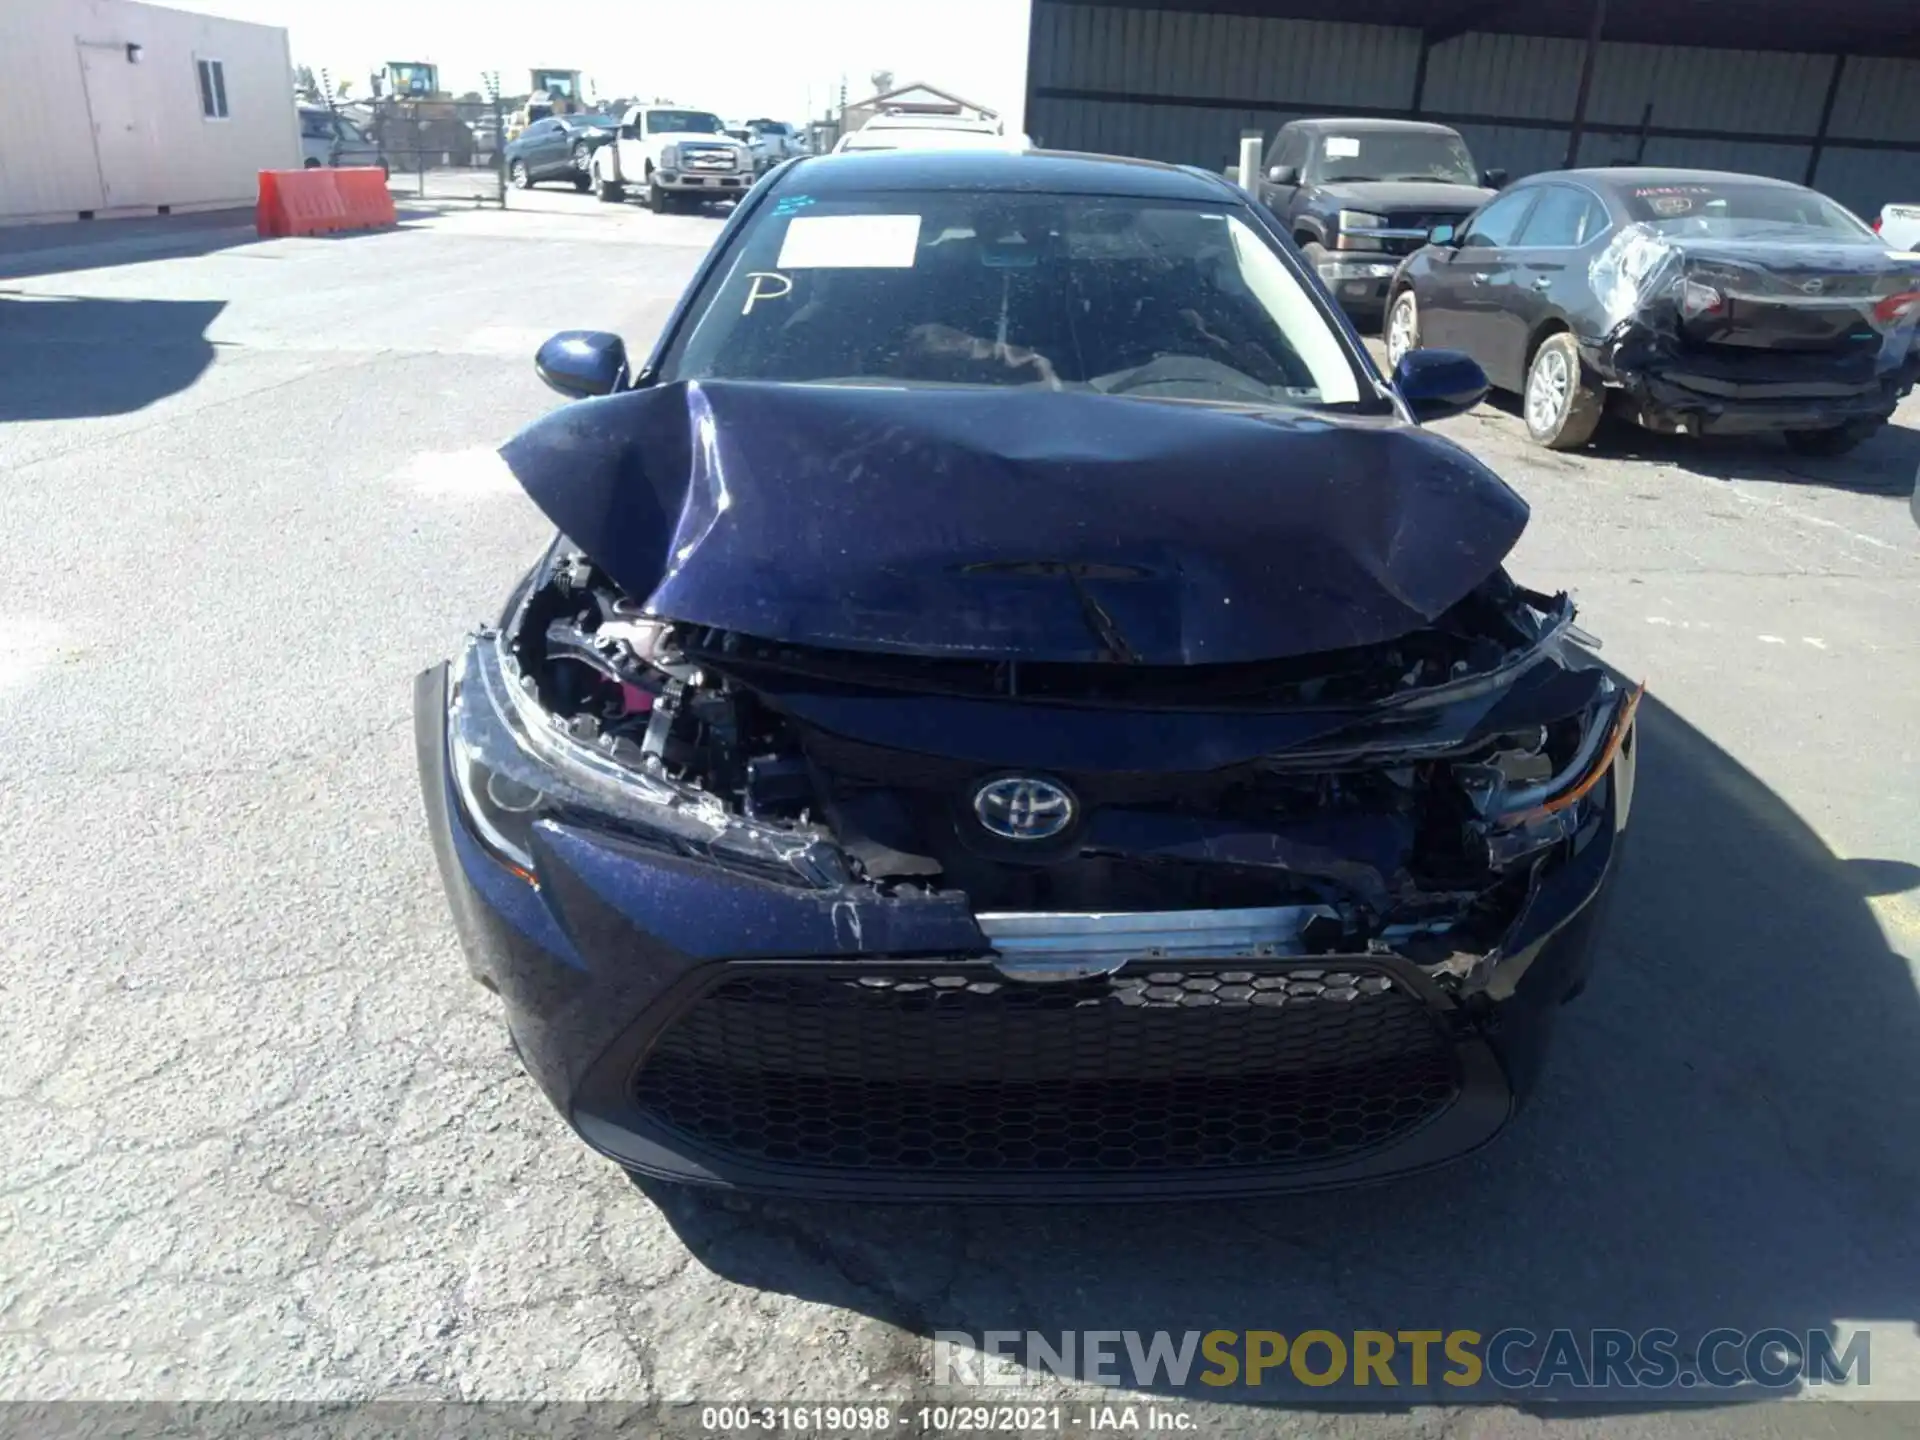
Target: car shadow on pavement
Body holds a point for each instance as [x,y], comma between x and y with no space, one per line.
[1728,1134]
[73,356]
[1883,465]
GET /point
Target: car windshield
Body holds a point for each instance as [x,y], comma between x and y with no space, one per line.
[1395,155]
[691,122]
[1737,211]
[1152,299]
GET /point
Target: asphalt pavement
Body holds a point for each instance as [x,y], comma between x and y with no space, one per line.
[262,1138]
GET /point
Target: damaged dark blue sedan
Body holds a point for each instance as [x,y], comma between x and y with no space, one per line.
[1016,708]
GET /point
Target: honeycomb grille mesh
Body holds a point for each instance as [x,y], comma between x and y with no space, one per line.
[1161,1070]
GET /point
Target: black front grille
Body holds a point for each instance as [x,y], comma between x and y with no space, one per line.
[958,1069]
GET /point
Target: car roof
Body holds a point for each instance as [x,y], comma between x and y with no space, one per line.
[891,121]
[860,172]
[1625,177]
[1363,123]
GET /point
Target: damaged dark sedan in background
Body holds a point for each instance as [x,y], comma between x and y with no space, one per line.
[1017,708]
[1686,301]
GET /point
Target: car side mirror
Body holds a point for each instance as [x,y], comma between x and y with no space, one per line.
[629,132]
[582,363]
[1283,175]
[1439,383]
[1441,235]
[1494,179]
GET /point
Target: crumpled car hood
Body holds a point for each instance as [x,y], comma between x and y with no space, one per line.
[1017,524]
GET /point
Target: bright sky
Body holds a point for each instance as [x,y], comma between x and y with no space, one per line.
[737,57]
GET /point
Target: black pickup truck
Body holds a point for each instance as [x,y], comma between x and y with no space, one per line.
[1359,194]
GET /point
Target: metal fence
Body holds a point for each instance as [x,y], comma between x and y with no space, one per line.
[442,149]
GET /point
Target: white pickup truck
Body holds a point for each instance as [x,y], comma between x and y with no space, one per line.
[1899,226]
[682,157]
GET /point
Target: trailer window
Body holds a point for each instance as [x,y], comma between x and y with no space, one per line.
[213,89]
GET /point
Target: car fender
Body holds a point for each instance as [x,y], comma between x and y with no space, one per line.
[1306,218]
[1413,269]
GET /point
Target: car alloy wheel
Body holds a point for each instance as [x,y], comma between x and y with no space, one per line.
[582,156]
[1561,405]
[1403,327]
[522,180]
[1549,386]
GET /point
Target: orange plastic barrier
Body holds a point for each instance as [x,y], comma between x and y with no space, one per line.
[314,202]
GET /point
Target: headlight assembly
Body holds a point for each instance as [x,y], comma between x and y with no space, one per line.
[500,808]
[1361,220]
[1570,783]
[1524,815]
[670,157]
[514,766]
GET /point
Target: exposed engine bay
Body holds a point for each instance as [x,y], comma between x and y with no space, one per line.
[1410,798]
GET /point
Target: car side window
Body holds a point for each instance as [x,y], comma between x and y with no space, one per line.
[1277,152]
[1498,221]
[1558,220]
[1594,221]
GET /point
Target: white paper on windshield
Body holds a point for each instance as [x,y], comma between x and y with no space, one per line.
[1341,147]
[850,242]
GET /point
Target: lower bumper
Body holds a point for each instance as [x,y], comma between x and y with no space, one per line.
[659,1006]
[1675,410]
[684,184]
[1790,395]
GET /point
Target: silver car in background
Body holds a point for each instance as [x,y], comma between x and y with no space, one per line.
[330,139]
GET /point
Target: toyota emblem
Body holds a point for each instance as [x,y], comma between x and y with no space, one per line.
[1023,807]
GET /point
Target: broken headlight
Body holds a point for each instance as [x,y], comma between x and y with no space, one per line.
[514,766]
[500,808]
[1528,796]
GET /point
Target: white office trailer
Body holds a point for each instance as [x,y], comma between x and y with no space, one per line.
[114,108]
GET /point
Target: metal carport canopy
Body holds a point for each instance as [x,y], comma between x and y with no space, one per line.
[1854,27]
[1824,94]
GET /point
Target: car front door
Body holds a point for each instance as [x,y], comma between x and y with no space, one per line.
[1549,277]
[1289,149]
[1461,305]
[541,148]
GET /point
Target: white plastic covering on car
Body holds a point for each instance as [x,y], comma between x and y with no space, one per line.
[1636,266]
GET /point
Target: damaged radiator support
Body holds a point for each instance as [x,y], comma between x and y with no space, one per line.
[1408,817]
